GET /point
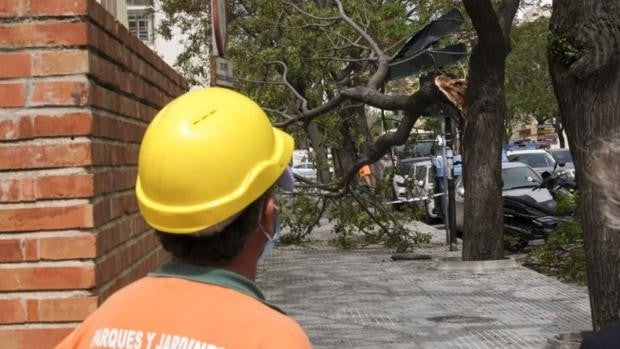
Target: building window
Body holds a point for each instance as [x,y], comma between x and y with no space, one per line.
[139,2]
[141,24]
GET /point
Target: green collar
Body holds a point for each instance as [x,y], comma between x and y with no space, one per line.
[208,275]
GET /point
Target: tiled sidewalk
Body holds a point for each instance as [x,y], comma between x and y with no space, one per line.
[363,299]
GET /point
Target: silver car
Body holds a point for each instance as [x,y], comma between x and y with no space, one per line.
[305,169]
[518,180]
[538,159]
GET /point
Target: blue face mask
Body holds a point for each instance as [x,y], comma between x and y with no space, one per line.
[272,241]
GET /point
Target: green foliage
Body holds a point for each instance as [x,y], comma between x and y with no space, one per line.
[300,213]
[566,202]
[321,55]
[563,254]
[529,91]
[562,50]
[512,242]
[358,220]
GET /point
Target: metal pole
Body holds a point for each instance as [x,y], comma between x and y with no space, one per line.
[444,200]
[452,212]
[451,140]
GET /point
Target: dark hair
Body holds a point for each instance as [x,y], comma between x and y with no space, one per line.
[222,246]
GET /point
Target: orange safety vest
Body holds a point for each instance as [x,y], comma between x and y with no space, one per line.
[365,171]
[186,306]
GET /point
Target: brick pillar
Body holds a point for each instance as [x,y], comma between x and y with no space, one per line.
[76,93]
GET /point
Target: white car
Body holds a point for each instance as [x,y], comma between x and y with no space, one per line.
[538,159]
[306,170]
[418,183]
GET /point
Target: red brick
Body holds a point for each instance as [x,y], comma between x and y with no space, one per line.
[64,309]
[12,95]
[106,153]
[46,218]
[46,278]
[32,308]
[62,62]
[71,124]
[17,189]
[31,250]
[114,207]
[20,156]
[120,231]
[102,16]
[69,93]
[13,8]
[135,272]
[46,187]
[31,126]
[12,311]
[116,179]
[16,128]
[81,246]
[29,338]
[42,34]
[14,65]
[68,247]
[56,8]
[66,186]
[125,255]
[10,251]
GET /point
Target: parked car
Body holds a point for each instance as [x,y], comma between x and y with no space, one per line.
[564,156]
[423,185]
[538,159]
[406,158]
[305,169]
[521,185]
[401,183]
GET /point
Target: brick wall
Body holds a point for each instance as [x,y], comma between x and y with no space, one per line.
[77,91]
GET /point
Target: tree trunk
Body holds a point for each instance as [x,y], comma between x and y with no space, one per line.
[362,120]
[484,131]
[588,90]
[321,162]
[346,152]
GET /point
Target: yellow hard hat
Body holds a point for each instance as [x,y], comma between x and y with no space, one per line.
[205,157]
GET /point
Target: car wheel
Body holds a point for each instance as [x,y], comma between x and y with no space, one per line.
[397,207]
[429,216]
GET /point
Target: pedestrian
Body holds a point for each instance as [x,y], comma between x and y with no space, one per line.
[207,167]
[439,169]
[365,174]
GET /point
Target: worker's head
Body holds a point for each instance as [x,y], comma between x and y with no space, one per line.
[208,164]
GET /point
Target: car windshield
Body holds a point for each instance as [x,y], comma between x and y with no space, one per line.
[417,150]
[562,156]
[420,173]
[532,159]
[519,177]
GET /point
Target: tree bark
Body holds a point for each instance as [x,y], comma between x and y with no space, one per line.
[588,90]
[362,120]
[346,153]
[321,162]
[484,130]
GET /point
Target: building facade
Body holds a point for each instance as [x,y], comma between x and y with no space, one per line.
[142,17]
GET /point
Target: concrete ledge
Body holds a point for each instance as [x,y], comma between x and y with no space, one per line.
[457,264]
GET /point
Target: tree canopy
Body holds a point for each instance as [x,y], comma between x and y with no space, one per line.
[529,91]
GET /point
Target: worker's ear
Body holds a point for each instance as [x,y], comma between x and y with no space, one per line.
[268,214]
